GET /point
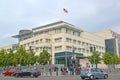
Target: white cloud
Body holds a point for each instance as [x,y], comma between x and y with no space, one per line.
[89,15]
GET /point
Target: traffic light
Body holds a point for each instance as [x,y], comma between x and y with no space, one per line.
[91,50]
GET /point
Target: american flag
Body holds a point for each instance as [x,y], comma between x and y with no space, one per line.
[65,10]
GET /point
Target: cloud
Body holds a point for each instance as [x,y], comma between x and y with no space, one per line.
[89,15]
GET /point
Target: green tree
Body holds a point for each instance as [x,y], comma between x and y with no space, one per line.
[116,60]
[95,58]
[9,56]
[21,55]
[2,58]
[44,57]
[107,58]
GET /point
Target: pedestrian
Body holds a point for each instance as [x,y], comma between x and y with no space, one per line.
[89,69]
[78,70]
[42,70]
[71,69]
[50,70]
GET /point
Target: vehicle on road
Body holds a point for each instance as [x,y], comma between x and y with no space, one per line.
[94,73]
[27,73]
[9,72]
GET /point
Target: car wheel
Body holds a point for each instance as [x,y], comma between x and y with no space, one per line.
[82,78]
[91,77]
[105,76]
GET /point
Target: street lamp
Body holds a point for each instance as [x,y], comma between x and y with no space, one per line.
[50,61]
[73,57]
[93,49]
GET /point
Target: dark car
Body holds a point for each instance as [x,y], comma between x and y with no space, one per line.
[9,72]
[94,73]
[27,73]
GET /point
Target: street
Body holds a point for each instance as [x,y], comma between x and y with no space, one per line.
[112,76]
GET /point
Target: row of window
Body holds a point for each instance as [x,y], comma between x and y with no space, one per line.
[59,48]
[59,30]
[69,40]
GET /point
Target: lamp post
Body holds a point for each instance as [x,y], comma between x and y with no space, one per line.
[50,61]
[73,57]
[93,49]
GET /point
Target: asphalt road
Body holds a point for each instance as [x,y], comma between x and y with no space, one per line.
[112,76]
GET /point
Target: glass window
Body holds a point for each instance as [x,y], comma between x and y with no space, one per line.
[59,30]
[57,48]
[58,40]
[74,41]
[37,41]
[47,40]
[68,48]
[32,43]
[68,40]
[41,40]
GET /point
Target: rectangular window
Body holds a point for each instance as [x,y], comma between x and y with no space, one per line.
[59,30]
[41,40]
[32,43]
[68,40]
[37,41]
[58,40]
[47,40]
[78,34]
[74,41]
[79,42]
[68,48]
[57,48]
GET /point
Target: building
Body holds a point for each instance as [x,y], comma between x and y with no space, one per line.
[8,47]
[112,41]
[64,41]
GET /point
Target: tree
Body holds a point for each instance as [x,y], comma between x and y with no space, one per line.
[44,57]
[21,55]
[2,57]
[116,59]
[107,58]
[95,58]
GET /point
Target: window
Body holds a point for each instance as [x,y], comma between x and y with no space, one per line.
[74,41]
[68,48]
[47,40]
[79,42]
[41,40]
[73,33]
[57,48]
[37,41]
[78,33]
[68,40]
[32,43]
[58,30]
[58,40]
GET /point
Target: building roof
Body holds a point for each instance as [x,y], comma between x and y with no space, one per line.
[55,23]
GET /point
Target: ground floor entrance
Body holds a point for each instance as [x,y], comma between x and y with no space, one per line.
[68,58]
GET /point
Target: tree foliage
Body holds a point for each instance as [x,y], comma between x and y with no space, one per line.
[116,59]
[95,58]
[107,58]
[44,57]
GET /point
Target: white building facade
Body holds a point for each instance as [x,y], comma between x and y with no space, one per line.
[63,41]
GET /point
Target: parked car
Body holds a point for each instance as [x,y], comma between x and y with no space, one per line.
[94,73]
[10,72]
[27,73]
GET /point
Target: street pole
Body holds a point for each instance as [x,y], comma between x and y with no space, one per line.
[92,50]
[94,56]
[66,59]
[73,60]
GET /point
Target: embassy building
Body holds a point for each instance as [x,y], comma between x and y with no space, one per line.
[64,41]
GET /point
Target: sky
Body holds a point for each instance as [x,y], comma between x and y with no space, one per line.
[88,15]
